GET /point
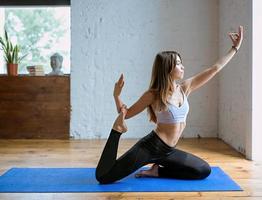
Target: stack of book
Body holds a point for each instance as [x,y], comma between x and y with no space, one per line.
[36,70]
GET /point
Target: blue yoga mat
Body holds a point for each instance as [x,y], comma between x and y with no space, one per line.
[83,180]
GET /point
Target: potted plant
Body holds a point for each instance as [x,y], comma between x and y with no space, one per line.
[11,52]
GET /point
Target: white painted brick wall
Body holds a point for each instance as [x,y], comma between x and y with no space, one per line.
[254,141]
[110,37]
[235,80]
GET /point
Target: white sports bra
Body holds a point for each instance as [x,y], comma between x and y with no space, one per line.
[174,114]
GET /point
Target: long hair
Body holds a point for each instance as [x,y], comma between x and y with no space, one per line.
[161,83]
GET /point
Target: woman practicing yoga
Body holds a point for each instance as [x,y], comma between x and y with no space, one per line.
[167,106]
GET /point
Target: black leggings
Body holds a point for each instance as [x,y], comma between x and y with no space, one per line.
[173,162]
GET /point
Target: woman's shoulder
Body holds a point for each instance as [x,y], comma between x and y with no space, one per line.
[149,96]
[151,93]
[184,86]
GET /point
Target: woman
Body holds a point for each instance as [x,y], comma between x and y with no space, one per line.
[167,106]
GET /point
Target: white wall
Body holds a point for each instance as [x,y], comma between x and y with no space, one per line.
[110,37]
[254,142]
[235,80]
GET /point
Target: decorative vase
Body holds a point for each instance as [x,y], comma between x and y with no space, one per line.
[12,69]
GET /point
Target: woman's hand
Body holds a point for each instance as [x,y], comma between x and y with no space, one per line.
[118,86]
[237,37]
[124,108]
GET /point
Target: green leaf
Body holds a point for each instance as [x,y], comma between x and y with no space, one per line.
[21,58]
[2,42]
[6,59]
[9,57]
[13,56]
[11,46]
[7,47]
[6,36]
[16,54]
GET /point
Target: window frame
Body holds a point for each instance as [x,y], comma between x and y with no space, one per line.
[35,2]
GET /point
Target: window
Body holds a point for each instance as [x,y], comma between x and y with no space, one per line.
[40,32]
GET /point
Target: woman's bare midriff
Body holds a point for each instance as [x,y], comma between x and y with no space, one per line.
[170,133]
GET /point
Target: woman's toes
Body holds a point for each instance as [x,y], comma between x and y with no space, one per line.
[140,174]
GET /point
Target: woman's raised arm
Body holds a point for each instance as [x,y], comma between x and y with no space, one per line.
[117,91]
[200,79]
[145,100]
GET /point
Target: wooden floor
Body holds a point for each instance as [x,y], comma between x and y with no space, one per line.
[86,153]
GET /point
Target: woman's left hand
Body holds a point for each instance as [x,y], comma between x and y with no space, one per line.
[237,37]
[118,86]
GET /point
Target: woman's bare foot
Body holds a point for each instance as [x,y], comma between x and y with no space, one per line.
[119,124]
[152,172]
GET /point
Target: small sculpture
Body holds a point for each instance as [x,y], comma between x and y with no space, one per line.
[56,61]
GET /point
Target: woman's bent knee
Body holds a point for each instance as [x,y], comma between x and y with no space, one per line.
[204,171]
[102,179]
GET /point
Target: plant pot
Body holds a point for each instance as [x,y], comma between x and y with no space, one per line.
[12,69]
